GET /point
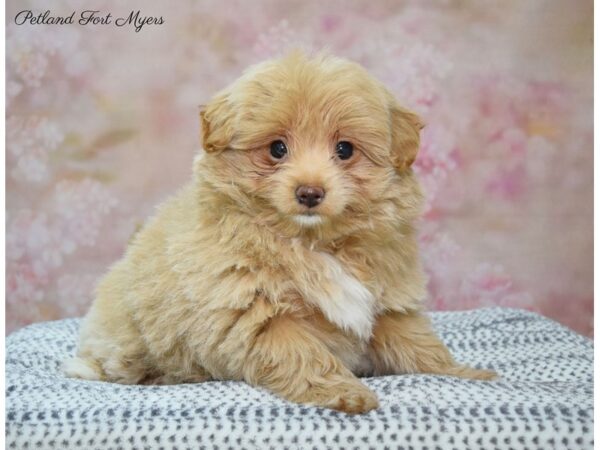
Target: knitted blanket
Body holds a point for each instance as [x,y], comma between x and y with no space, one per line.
[544,399]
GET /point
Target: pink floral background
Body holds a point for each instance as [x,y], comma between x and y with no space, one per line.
[102,124]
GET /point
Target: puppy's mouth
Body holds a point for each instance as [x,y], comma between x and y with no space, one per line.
[308,219]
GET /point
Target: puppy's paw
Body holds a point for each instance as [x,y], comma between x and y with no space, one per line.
[484,374]
[348,397]
[356,402]
[474,374]
[83,368]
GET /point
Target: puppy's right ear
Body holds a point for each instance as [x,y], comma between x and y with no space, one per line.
[217,123]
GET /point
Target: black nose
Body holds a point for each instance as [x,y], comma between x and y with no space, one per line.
[310,195]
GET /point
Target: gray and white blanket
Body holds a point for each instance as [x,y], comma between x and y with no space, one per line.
[543,401]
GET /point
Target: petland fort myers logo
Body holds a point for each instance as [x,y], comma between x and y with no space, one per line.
[135,19]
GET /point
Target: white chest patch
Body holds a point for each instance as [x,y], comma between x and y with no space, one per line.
[348,303]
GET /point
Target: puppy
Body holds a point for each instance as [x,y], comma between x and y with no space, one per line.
[290,261]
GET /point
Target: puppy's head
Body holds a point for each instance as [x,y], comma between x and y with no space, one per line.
[308,144]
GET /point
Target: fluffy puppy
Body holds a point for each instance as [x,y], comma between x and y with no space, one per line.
[290,261]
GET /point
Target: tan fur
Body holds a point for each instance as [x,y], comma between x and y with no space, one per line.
[223,283]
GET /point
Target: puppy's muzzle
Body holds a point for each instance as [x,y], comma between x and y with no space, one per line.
[310,196]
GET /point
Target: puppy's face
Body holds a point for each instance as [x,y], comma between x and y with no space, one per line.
[308,144]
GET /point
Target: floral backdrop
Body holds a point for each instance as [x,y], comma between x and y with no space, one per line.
[102,124]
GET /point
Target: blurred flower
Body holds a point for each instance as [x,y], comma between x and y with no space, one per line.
[13,88]
[489,285]
[29,142]
[81,207]
[278,40]
[23,286]
[30,237]
[435,160]
[76,292]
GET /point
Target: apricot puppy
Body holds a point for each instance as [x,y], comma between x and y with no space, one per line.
[290,261]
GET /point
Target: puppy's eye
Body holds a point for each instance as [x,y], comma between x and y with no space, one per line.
[344,150]
[278,149]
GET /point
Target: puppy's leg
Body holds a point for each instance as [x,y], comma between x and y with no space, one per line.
[406,343]
[282,355]
[105,354]
[288,360]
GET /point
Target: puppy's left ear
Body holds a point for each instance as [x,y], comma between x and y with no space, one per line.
[406,127]
[217,123]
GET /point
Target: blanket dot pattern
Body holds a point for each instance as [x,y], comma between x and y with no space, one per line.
[544,399]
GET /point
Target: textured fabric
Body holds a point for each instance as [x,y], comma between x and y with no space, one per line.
[544,399]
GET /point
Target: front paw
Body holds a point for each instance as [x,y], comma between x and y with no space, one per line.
[351,397]
[473,374]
